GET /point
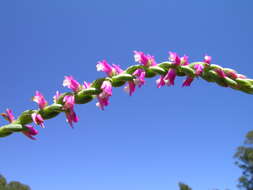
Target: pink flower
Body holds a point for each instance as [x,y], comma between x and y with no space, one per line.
[117,69]
[187,81]
[184,60]
[71,83]
[220,72]
[160,82]
[207,59]
[198,69]
[38,120]
[107,88]
[108,69]
[140,77]
[40,100]
[104,67]
[56,96]
[130,88]
[30,132]
[146,60]
[170,77]
[69,102]
[8,115]
[174,58]
[71,117]
[86,85]
[103,97]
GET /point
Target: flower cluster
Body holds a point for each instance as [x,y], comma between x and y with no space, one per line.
[132,77]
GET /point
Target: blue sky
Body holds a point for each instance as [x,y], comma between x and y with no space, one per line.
[151,140]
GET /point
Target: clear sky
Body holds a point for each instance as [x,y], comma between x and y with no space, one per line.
[151,140]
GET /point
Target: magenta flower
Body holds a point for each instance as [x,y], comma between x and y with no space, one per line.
[8,115]
[198,69]
[146,60]
[69,102]
[140,77]
[174,58]
[170,77]
[71,117]
[105,67]
[108,69]
[56,96]
[71,83]
[107,88]
[31,132]
[86,85]
[102,102]
[187,81]
[38,120]
[130,88]
[40,100]
[220,72]
[117,69]
[207,59]
[184,60]
[160,82]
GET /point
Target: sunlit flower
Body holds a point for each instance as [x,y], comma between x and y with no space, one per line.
[38,120]
[170,77]
[40,100]
[174,58]
[198,69]
[130,88]
[71,83]
[146,60]
[207,59]
[8,115]
[187,81]
[30,132]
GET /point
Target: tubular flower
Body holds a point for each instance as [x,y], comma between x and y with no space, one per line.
[160,82]
[40,100]
[198,69]
[56,96]
[146,60]
[86,85]
[184,60]
[108,69]
[170,77]
[69,102]
[130,88]
[31,131]
[107,88]
[174,58]
[140,77]
[103,97]
[38,120]
[8,115]
[220,72]
[207,59]
[187,81]
[71,83]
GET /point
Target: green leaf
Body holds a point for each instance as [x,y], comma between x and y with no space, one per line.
[122,77]
[158,70]
[131,69]
[26,117]
[51,111]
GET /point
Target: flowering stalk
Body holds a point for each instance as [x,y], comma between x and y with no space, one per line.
[134,76]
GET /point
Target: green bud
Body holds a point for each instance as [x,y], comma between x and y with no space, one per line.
[166,65]
[214,76]
[188,71]
[149,73]
[131,69]
[116,83]
[12,127]
[243,82]
[158,70]
[230,82]
[83,99]
[51,111]
[122,77]
[97,83]
[213,67]
[26,117]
